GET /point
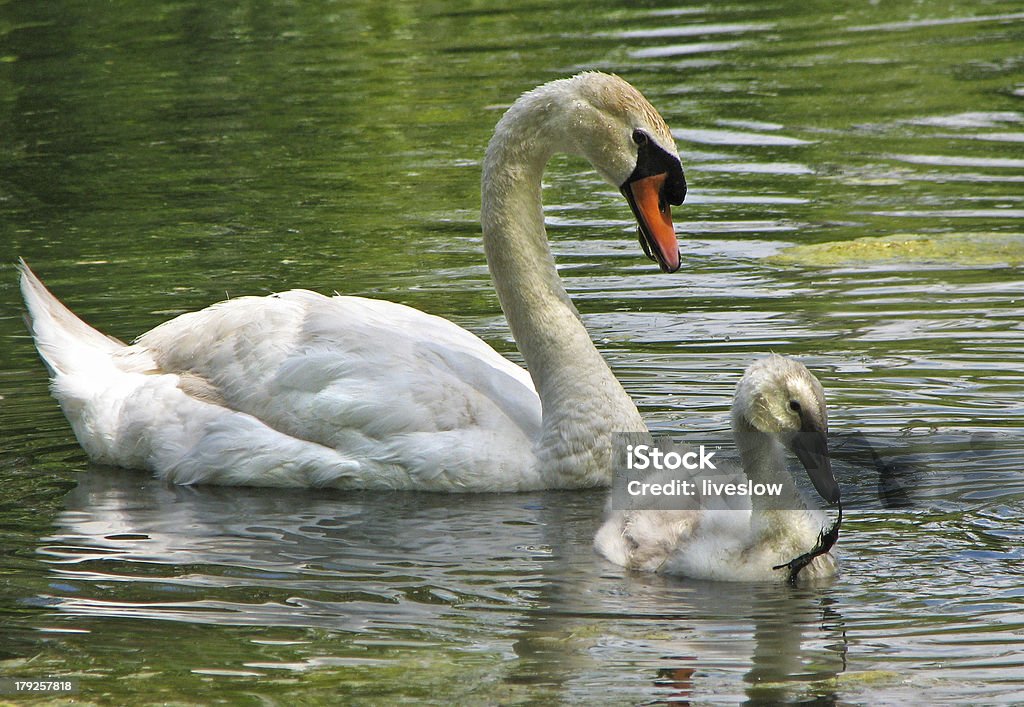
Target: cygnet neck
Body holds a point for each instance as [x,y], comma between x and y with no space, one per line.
[764,461]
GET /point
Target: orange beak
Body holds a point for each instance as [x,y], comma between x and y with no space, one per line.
[654,216]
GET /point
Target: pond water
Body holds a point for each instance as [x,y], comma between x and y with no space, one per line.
[157,157]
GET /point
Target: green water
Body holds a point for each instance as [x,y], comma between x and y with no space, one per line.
[157,157]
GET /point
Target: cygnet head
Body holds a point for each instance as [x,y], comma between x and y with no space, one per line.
[605,119]
[779,397]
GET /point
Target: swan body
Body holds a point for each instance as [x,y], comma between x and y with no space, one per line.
[778,405]
[298,389]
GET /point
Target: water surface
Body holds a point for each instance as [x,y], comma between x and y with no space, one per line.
[156,158]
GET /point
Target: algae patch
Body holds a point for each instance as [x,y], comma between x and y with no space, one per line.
[946,248]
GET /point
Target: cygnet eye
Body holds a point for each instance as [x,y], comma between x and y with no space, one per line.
[794,406]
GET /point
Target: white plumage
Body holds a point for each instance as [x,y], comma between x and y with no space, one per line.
[299,389]
[778,405]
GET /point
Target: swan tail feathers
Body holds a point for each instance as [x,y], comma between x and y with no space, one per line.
[87,376]
[65,343]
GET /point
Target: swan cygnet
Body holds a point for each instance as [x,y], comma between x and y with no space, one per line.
[301,390]
[778,406]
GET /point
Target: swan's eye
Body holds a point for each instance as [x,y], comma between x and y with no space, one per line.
[640,137]
[794,406]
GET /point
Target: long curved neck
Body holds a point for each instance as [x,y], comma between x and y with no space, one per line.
[764,462]
[583,404]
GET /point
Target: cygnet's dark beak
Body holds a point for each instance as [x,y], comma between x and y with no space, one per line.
[811,447]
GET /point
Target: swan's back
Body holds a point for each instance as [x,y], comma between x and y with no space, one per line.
[316,367]
[295,389]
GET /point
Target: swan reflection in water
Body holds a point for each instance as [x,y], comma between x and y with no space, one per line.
[514,577]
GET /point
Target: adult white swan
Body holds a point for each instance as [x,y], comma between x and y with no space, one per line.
[298,389]
[778,405]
